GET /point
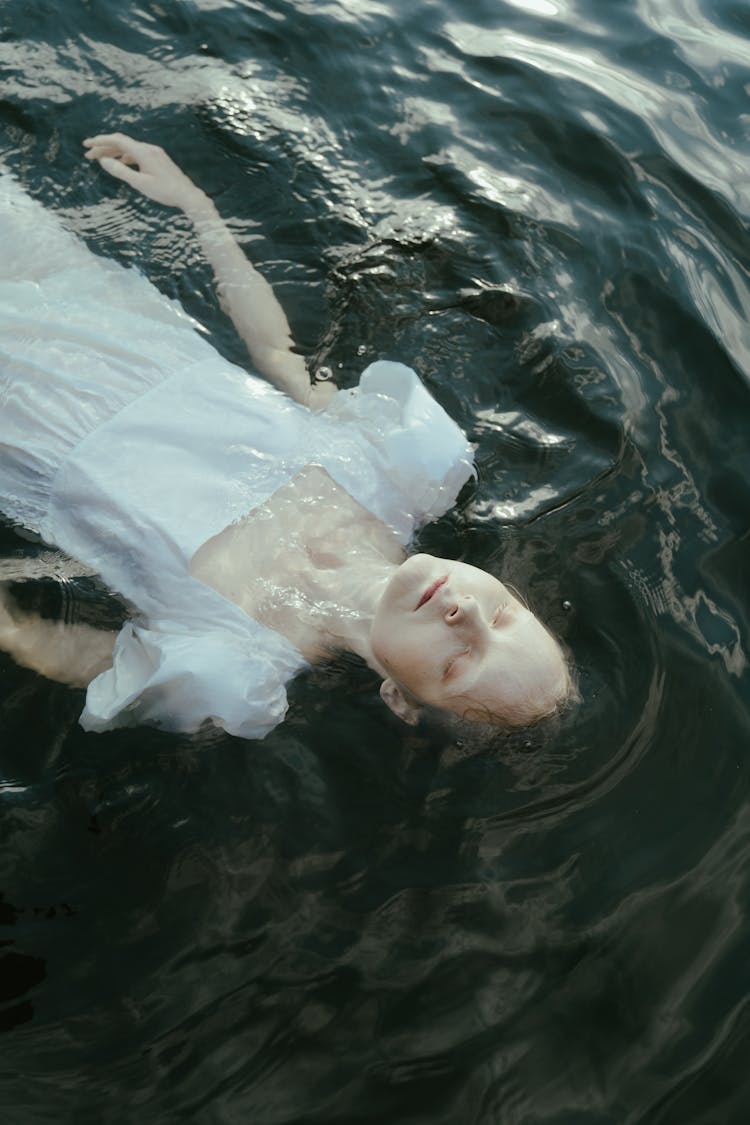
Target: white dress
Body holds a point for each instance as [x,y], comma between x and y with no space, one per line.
[128,441]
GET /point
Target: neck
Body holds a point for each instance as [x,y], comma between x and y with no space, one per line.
[311,563]
[345,602]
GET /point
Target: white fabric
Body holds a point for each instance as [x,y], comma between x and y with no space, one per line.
[127,441]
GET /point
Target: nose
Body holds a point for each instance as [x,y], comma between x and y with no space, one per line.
[461,610]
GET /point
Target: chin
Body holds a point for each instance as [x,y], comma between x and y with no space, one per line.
[406,585]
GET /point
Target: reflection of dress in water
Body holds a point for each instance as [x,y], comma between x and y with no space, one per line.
[126,440]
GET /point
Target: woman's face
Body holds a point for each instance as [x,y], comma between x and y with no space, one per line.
[457,638]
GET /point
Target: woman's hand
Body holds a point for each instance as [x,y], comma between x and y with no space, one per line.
[146,168]
[319,395]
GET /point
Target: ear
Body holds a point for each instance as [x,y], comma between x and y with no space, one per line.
[392,695]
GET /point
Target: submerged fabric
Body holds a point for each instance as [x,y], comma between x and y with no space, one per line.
[128,441]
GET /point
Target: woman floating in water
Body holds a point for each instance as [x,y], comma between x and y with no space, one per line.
[254,530]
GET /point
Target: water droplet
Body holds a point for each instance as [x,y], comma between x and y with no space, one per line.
[361,349]
[567,606]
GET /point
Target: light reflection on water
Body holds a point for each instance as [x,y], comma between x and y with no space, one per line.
[671,109]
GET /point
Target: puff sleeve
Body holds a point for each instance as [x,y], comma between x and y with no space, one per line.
[424,454]
[176,680]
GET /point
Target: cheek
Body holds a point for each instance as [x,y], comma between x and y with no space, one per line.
[400,655]
[394,655]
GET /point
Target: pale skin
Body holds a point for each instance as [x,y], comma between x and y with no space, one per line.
[311,563]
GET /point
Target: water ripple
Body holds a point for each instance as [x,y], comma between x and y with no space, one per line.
[673,116]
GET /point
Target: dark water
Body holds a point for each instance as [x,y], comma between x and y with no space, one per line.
[352,921]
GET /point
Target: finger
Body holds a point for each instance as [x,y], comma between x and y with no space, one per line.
[106,148]
[110,139]
[121,171]
[119,144]
[109,150]
[96,152]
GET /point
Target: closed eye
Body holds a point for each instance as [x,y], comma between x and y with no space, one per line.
[456,663]
[498,613]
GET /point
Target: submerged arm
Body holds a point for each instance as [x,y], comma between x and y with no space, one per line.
[244,294]
[69,653]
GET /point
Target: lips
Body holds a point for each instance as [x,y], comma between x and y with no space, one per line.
[432,589]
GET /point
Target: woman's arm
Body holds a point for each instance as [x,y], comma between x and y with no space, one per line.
[244,294]
[71,654]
